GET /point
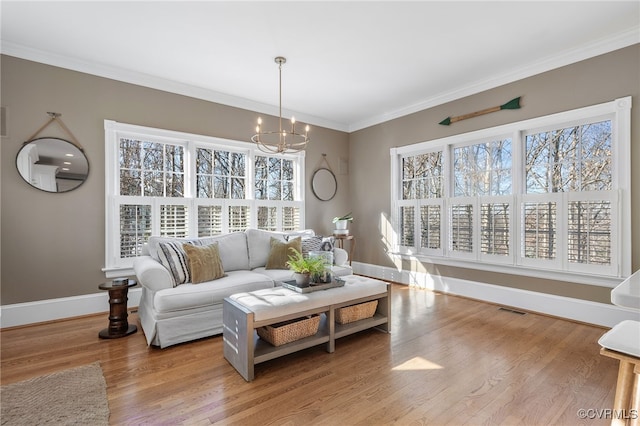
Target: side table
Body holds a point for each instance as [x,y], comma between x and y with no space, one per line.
[118,324]
[352,243]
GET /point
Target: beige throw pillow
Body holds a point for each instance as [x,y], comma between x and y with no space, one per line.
[280,252]
[204,263]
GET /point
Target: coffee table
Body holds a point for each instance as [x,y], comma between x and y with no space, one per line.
[243,313]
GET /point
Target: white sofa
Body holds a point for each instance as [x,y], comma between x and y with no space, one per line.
[172,313]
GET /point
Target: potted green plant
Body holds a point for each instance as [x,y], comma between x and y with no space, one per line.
[341,223]
[304,267]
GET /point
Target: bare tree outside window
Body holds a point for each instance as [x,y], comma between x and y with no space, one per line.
[539,230]
[494,228]
[274,179]
[574,159]
[407,222]
[151,169]
[462,228]
[483,169]
[220,174]
[430,217]
[422,176]
[135,228]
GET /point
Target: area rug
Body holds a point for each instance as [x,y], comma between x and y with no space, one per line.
[71,397]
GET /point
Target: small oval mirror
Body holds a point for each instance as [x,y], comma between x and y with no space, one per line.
[324,184]
[52,164]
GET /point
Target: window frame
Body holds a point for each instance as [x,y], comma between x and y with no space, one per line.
[618,111]
[116,265]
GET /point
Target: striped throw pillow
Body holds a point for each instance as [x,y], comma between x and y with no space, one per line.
[172,256]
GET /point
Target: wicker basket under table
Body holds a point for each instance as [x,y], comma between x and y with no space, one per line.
[289,331]
[356,312]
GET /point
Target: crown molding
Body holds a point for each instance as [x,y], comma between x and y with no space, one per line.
[605,45]
[602,46]
[159,83]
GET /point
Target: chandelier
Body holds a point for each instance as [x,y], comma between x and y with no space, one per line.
[281,140]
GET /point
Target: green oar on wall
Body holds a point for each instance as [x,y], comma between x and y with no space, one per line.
[512,104]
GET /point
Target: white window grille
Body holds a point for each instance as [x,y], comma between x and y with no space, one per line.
[175,184]
[550,193]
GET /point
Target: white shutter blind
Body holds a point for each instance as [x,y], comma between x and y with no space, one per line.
[135,228]
[431,221]
[407,226]
[290,218]
[209,221]
[238,218]
[267,218]
[173,221]
[539,230]
[494,228]
[461,228]
[589,229]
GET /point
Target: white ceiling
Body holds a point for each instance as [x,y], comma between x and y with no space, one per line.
[349,64]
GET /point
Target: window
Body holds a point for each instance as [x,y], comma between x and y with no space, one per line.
[550,193]
[181,185]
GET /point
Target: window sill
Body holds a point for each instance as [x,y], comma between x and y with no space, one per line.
[579,278]
[118,272]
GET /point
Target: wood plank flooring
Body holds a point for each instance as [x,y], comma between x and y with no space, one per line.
[448,360]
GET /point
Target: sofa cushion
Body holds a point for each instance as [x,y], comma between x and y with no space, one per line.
[204,263]
[280,252]
[276,275]
[232,248]
[259,245]
[188,296]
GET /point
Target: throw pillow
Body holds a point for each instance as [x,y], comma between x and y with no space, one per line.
[311,244]
[204,263]
[280,252]
[328,243]
[172,256]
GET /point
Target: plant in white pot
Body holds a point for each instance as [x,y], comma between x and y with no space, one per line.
[304,267]
[341,223]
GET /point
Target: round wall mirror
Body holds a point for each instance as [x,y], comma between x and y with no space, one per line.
[52,164]
[324,184]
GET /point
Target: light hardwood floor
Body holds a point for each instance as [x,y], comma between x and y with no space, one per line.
[448,360]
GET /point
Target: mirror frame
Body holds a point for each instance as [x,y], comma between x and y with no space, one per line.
[23,162]
[315,182]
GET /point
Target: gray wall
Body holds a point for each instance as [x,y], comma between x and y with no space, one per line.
[53,244]
[597,80]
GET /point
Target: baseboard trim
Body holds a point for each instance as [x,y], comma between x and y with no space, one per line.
[56,309]
[600,314]
[565,307]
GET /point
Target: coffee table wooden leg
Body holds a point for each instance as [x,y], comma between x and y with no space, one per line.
[331,318]
[384,308]
[237,335]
